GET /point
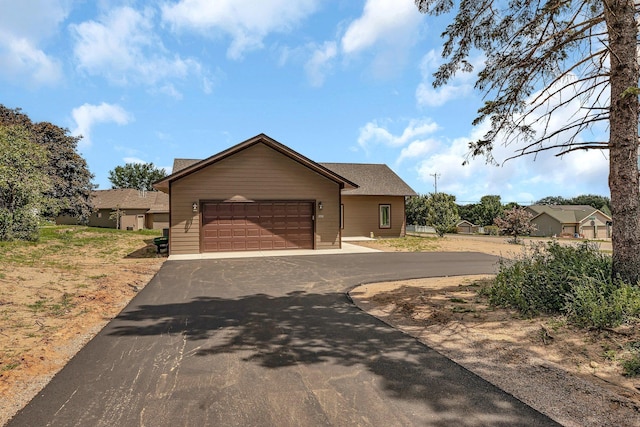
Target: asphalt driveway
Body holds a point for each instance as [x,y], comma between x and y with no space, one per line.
[271,342]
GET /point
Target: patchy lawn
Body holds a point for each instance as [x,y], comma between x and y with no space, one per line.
[57,293]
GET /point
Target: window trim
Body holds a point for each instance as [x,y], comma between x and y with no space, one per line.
[381,208]
[342,216]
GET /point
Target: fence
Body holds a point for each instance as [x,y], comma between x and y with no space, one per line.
[420,229]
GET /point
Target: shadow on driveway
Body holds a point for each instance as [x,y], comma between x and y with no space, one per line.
[272,342]
[327,330]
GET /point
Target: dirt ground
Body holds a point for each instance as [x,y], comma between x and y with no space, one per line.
[570,374]
[57,294]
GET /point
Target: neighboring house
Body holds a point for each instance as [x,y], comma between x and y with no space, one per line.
[466,227]
[262,195]
[570,220]
[141,209]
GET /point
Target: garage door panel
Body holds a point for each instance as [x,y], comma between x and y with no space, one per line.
[257,226]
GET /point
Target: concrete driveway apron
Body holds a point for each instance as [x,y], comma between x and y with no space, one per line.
[271,342]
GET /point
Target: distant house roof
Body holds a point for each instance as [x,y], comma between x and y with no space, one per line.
[129,198]
[187,166]
[373,179]
[566,214]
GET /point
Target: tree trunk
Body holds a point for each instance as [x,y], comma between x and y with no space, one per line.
[623,139]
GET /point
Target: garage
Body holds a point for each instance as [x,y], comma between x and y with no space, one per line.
[253,226]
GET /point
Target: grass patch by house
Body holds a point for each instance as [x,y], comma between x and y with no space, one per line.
[54,291]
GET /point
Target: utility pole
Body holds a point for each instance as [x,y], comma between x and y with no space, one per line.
[435,180]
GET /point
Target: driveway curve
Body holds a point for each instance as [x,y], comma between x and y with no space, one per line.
[272,342]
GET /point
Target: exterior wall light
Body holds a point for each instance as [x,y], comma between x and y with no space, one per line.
[194,206]
[320,206]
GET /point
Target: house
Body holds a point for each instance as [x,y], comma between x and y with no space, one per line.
[140,209]
[570,220]
[466,227]
[262,195]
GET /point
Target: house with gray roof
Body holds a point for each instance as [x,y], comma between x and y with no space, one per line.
[262,195]
[139,209]
[570,220]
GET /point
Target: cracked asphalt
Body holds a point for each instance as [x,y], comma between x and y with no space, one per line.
[272,342]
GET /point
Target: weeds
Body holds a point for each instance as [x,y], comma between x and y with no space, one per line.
[574,281]
[631,365]
[9,367]
[55,309]
[412,243]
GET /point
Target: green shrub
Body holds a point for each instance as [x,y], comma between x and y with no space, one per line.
[571,280]
[602,303]
[539,280]
[492,230]
[631,366]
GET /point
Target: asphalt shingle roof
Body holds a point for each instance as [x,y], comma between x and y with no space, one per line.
[373,179]
[179,164]
[566,214]
[129,198]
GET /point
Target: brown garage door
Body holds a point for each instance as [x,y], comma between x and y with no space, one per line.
[256,226]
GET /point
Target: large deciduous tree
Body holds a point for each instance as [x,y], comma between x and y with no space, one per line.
[542,56]
[70,190]
[22,181]
[442,212]
[140,176]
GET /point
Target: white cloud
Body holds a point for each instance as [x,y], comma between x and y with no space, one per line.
[87,115]
[422,151]
[134,160]
[321,63]
[247,22]
[416,149]
[387,29]
[375,133]
[382,21]
[460,85]
[23,27]
[123,47]
[21,60]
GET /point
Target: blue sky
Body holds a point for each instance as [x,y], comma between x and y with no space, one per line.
[336,80]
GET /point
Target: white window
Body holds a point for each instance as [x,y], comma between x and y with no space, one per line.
[385,216]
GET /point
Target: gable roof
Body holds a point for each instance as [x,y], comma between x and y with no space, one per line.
[566,214]
[373,179]
[130,198]
[186,167]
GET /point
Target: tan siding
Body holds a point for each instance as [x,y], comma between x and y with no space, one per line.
[599,231]
[361,216]
[256,173]
[157,221]
[546,226]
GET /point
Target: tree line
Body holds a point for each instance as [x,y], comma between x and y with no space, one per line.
[441,211]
